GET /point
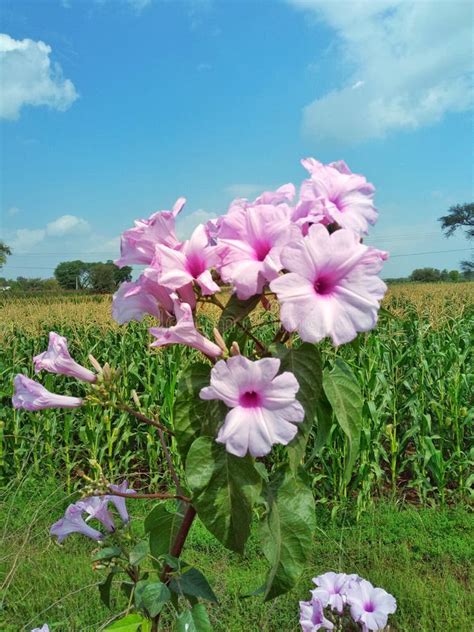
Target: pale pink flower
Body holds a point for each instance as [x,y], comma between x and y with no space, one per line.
[119,501]
[44,628]
[312,616]
[137,244]
[345,198]
[135,299]
[73,522]
[264,407]
[192,262]
[370,606]
[184,332]
[331,589]
[250,242]
[58,360]
[30,395]
[331,288]
[97,507]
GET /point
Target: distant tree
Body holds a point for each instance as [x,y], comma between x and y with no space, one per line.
[444,275]
[102,277]
[454,275]
[427,275]
[459,216]
[4,253]
[121,274]
[467,269]
[72,275]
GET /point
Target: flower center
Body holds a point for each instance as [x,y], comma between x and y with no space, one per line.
[323,286]
[369,606]
[195,265]
[261,247]
[250,399]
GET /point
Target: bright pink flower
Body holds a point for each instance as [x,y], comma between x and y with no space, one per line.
[30,395]
[264,407]
[312,616]
[58,360]
[343,197]
[192,262]
[138,244]
[184,332]
[370,606]
[73,522]
[331,589]
[250,242]
[134,299]
[332,288]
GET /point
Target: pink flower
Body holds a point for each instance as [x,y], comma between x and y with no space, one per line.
[138,244]
[331,589]
[192,262]
[119,501]
[250,242]
[264,407]
[184,332]
[73,522]
[45,628]
[58,360]
[344,197]
[332,288]
[134,299]
[30,395]
[312,616]
[370,606]
[97,507]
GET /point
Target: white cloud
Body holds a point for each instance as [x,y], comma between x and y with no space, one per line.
[67,225]
[13,210]
[408,64]
[245,190]
[24,239]
[185,224]
[203,67]
[28,77]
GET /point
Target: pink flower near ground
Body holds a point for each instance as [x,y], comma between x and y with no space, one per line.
[344,197]
[264,406]
[58,360]
[331,287]
[331,589]
[370,606]
[137,244]
[250,242]
[135,299]
[192,262]
[73,522]
[97,507]
[184,332]
[312,616]
[31,395]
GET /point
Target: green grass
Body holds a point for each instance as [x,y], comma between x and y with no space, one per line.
[422,556]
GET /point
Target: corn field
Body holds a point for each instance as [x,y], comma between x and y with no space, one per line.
[415,370]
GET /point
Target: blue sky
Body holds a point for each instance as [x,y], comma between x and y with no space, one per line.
[111,109]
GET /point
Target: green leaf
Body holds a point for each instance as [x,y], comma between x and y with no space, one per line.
[194,620]
[139,552]
[162,527]
[154,597]
[107,554]
[193,583]
[104,589]
[287,533]
[235,311]
[130,623]
[193,416]
[224,489]
[343,392]
[306,364]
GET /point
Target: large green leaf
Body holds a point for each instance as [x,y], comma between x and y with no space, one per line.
[235,310]
[162,526]
[130,623]
[154,597]
[343,391]
[287,533]
[306,364]
[194,620]
[224,488]
[193,416]
[194,584]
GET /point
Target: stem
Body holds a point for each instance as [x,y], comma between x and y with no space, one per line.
[146,420]
[160,495]
[169,461]
[260,345]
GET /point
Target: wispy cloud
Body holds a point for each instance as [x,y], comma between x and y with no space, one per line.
[245,190]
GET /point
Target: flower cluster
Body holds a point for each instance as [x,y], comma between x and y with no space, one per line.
[94,507]
[338,596]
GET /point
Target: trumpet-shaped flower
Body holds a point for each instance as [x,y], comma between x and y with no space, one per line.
[312,616]
[73,522]
[344,197]
[58,360]
[184,332]
[264,406]
[97,507]
[331,288]
[192,262]
[138,244]
[250,242]
[135,299]
[331,588]
[370,606]
[31,395]
[119,501]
